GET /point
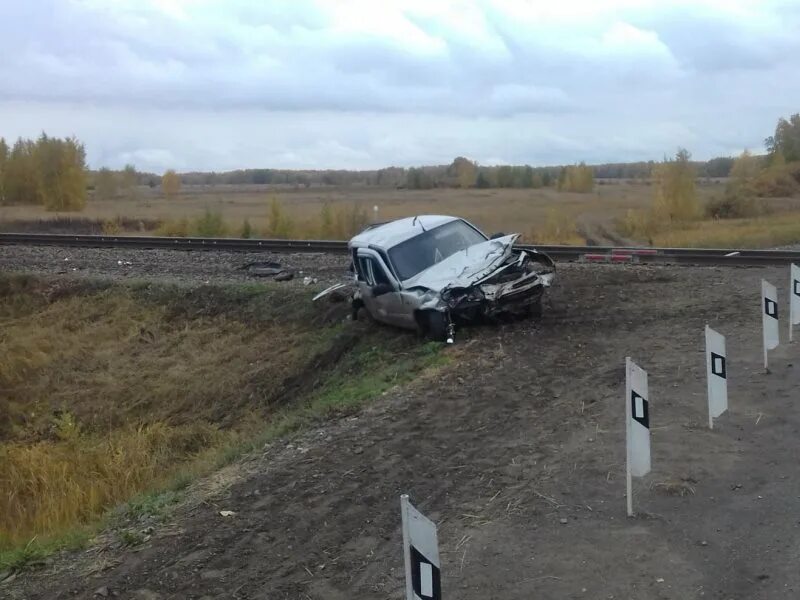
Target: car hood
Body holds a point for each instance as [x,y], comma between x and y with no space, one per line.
[466,267]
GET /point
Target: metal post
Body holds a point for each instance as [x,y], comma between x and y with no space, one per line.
[406,546]
[628,481]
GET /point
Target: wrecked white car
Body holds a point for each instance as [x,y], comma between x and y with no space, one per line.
[431,272]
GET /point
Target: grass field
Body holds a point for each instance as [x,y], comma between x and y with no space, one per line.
[535,213]
[541,215]
[106,393]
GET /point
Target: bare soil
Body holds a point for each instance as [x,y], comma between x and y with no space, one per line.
[516,451]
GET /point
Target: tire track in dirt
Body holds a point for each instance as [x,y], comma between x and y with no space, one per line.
[600,230]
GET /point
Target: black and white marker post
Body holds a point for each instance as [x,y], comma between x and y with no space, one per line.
[637,426]
[716,375]
[794,299]
[769,318]
[421,548]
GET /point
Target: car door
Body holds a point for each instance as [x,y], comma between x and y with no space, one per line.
[380,290]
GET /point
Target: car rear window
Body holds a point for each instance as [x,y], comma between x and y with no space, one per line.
[430,247]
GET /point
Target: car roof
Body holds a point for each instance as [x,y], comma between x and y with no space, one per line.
[388,235]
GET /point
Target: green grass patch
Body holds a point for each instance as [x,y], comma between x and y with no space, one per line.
[36,550]
[369,372]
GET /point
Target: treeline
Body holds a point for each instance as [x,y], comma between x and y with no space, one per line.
[460,173]
[108,184]
[48,171]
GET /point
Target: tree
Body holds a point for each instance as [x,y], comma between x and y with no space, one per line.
[106,184]
[130,181]
[62,167]
[246,231]
[739,200]
[326,222]
[280,225]
[505,177]
[3,162]
[171,184]
[786,141]
[719,167]
[576,178]
[464,170]
[745,169]
[350,220]
[22,175]
[676,197]
[418,179]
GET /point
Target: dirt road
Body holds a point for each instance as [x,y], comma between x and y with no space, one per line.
[516,451]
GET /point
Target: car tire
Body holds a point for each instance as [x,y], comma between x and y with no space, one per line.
[536,309]
[434,325]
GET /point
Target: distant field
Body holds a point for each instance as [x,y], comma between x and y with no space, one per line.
[508,210]
[541,215]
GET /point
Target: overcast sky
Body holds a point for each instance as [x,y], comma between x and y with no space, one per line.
[224,84]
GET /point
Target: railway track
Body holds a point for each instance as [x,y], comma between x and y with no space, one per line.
[599,254]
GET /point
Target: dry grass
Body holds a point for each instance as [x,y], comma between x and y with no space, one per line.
[762,232]
[542,215]
[111,391]
[50,486]
[674,487]
[559,227]
[494,210]
[106,393]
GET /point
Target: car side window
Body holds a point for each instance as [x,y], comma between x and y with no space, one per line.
[378,274]
[370,271]
[364,271]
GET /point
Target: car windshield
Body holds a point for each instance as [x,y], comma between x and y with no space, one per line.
[426,249]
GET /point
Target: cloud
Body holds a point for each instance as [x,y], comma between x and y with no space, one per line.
[414,80]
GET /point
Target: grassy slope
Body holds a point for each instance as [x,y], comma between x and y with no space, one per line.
[110,392]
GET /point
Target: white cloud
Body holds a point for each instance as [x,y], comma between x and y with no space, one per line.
[351,83]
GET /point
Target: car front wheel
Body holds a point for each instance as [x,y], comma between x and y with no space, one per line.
[434,325]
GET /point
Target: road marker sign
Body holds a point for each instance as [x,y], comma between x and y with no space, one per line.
[716,375]
[637,426]
[794,299]
[421,552]
[769,318]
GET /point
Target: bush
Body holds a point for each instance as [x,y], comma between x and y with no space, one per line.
[112,226]
[576,178]
[211,224]
[246,231]
[179,228]
[733,205]
[779,180]
[676,197]
[280,224]
[638,224]
[558,228]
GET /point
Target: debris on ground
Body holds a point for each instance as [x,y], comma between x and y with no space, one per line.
[338,292]
[269,269]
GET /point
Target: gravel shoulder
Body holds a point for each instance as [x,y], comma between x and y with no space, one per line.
[166,265]
[516,450]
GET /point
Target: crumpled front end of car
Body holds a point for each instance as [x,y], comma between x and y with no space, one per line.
[515,287]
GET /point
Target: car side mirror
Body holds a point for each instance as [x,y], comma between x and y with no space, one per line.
[497,235]
[381,289]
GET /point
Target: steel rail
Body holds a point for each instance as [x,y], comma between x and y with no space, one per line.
[714,256]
